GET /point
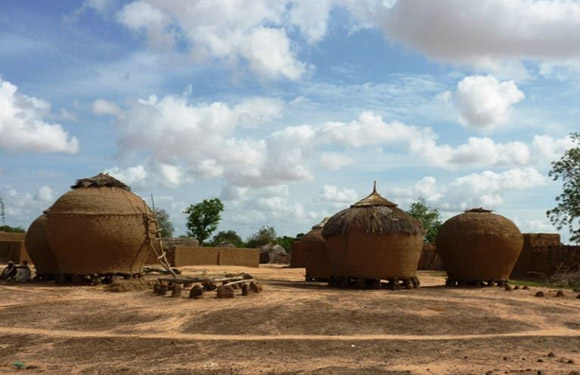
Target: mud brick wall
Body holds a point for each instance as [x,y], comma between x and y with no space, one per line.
[10,236]
[223,256]
[14,251]
[169,245]
[430,259]
[231,256]
[544,254]
[194,256]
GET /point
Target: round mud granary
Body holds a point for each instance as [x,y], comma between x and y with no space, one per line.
[313,247]
[373,240]
[100,227]
[479,246]
[39,250]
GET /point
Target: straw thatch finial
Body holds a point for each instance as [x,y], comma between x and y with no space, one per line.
[375,187]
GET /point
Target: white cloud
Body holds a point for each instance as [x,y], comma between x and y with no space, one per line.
[334,194]
[371,130]
[255,110]
[486,189]
[205,138]
[254,32]
[153,174]
[45,194]
[548,149]
[501,33]
[132,176]
[21,207]
[246,204]
[104,107]
[335,161]
[23,127]
[484,102]
[311,17]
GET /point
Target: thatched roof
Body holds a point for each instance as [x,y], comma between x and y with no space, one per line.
[480,210]
[373,214]
[100,180]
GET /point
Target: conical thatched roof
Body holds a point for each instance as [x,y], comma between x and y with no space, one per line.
[373,214]
[100,180]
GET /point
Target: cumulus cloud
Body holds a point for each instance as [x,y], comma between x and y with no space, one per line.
[334,194]
[104,107]
[23,126]
[371,130]
[21,207]
[507,32]
[484,102]
[486,189]
[334,160]
[153,174]
[203,136]
[254,32]
[250,204]
[173,132]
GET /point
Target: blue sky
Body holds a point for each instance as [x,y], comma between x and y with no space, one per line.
[288,110]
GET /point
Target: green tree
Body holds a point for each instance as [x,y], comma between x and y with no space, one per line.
[203,218]
[285,242]
[229,236]
[165,225]
[266,235]
[8,228]
[429,218]
[567,211]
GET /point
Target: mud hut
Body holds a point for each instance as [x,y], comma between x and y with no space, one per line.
[314,253]
[39,250]
[100,227]
[373,240]
[479,246]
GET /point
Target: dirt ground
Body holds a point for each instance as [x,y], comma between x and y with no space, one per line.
[293,327]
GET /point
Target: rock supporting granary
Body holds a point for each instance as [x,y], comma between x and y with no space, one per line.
[100,227]
[371,241]
[478,247]
[314,252]
[39,249]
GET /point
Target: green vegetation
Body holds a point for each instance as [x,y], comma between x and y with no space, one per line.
[165,225]
[429,218]
[8,228]
[203,218]
[285,242]
[229,236]
[266,235]
[567,210]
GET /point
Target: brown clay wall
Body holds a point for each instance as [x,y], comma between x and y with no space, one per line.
[194,256]
[231,256]
[430,259]
[14,251]
[544,255]
[10,236]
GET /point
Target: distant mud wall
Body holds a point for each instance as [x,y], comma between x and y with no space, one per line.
[11,236]
[230,256]
[169,245]
[543,255]
[430,259]
[194,256]
[14,251]
[179,256]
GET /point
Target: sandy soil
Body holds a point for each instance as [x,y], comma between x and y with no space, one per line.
[292,327]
